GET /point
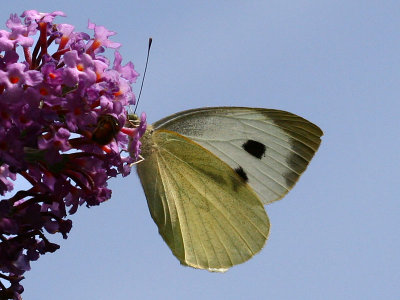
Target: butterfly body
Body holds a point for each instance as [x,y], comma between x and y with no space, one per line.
[208,172]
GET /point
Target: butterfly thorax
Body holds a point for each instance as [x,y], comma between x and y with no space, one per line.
[148,144]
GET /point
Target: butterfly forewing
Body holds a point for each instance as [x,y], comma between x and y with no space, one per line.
[269,148]
[207,214]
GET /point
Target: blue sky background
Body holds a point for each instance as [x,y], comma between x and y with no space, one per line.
[336,63]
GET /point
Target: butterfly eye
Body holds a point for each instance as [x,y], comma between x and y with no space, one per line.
[107,128]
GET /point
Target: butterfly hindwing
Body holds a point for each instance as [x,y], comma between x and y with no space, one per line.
[269,148]
[205,211]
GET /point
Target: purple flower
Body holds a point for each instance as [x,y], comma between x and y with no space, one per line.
[16,75]
[80,68]
[6,42]
[5,184]
[57,140]
[128,72]
[52,75]
[32,16]
[19,32]
[101,35]
[62,118]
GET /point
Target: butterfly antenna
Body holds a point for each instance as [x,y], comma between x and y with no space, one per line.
[144,74]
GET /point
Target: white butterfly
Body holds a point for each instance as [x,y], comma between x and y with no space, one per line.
[208,172]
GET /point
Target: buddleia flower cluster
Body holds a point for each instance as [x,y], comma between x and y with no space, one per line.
[63,128]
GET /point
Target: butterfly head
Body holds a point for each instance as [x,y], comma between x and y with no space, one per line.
[133,121]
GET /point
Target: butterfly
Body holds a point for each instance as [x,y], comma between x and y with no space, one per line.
[208,172]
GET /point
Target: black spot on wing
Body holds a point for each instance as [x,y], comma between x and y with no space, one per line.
[254,148]
[239,170]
